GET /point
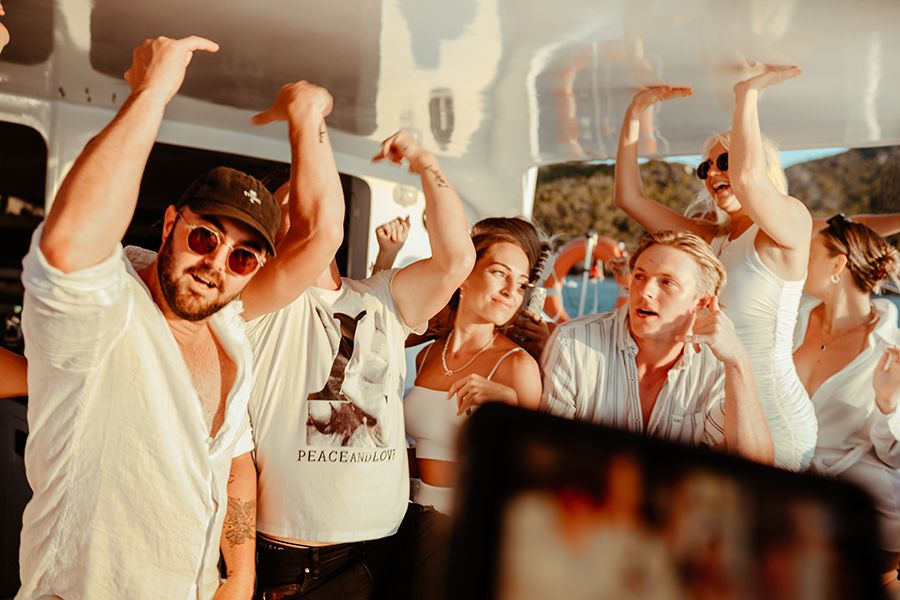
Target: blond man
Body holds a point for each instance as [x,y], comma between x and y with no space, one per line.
[667,364]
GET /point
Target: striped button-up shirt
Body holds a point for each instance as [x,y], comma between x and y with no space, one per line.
[590,374]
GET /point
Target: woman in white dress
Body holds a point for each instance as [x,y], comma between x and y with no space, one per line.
[763,242]
[474,363]
[847,356]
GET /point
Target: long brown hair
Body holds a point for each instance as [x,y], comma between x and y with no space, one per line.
[513,230]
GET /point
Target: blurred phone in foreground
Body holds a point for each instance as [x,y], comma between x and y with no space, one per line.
[554,509]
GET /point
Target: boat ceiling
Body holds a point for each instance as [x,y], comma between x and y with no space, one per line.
[493,87]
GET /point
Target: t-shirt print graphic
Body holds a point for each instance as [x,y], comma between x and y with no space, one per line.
[333,418]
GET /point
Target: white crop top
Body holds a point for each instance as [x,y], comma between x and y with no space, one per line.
[431,418]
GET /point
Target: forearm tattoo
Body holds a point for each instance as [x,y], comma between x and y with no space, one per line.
[239,521]
[439,179]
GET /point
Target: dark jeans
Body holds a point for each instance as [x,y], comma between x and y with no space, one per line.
[408,565]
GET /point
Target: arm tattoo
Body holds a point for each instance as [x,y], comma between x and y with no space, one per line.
[439,178]
[322,133]
[239,521]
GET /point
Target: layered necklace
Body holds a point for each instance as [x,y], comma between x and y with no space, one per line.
[448,371]
[873,316]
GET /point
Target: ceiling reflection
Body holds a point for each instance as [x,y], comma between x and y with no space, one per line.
[497,85]
[335,45]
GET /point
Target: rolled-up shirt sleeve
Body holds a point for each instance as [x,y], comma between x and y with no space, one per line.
[560,385]
[71,319]
[885,436]
[714,421]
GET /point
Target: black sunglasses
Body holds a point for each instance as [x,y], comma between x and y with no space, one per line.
[721,163]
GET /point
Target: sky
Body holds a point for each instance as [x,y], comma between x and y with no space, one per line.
[788,157]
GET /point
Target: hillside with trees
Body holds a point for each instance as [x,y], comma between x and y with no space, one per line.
[574,198]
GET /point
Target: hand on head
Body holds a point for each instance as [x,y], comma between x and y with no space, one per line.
[401,145]
[658,93]
[159,65]
[296,100]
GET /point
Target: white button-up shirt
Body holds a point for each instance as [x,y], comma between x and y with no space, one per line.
[857,441]
[590,374]
[129,487]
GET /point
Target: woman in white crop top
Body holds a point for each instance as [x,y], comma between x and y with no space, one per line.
[762,234]
[474,363]
[844,340]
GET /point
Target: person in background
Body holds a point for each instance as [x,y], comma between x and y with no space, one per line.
[334,517]
[13,380]
[668,363]
[847,352]
[763,244]
[474,363]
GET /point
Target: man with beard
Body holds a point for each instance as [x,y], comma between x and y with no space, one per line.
[668,363]
[139,369]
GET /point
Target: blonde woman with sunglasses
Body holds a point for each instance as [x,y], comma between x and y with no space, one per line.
[763,243]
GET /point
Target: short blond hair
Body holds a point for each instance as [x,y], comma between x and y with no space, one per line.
[712,272]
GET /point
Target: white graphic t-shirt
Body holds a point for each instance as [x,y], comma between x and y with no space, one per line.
[327,414]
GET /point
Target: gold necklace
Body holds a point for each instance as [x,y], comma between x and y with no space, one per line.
[873,316]
[447,370]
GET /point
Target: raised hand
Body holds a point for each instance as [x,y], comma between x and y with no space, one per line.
[770,75]
[401,145]
[392,235]
[716,330]
[659,93]
[531,332]
[294,100]
[886,380]
[473,390]
[160,64]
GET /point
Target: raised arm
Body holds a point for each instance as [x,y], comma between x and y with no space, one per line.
[239,531]
[97,199]
[629,191]
[884,225]
[13,380]
[783,218]
[315,203]
[746,429]
[423,288]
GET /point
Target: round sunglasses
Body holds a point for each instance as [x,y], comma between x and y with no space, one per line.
[721,163]
[204,240]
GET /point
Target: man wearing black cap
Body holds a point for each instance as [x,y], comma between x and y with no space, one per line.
[139,366]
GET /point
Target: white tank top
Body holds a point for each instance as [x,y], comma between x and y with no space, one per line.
[764,308]
[431,418]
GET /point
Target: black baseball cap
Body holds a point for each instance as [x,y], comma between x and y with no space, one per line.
[227,192]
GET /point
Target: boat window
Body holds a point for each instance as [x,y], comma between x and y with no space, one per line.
[31,32]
